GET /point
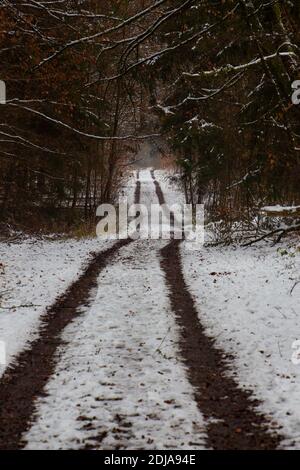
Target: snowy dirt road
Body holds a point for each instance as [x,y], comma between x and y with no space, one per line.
[123,362]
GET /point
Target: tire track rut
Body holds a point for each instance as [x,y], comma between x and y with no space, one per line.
[233,421]
[25,380]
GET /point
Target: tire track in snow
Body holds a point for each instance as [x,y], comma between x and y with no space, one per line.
[126,420]
[232,421]
[119,384]
[24,381]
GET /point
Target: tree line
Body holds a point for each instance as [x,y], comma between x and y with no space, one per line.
[65,135]
[227,108]
[87,81]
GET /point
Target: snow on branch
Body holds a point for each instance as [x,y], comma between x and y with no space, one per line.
[229,68]
[280,211]
[244,179]
[102,33]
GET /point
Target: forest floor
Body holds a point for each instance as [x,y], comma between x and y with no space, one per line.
[144,344]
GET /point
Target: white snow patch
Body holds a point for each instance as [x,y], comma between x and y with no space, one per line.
[279,208]
[248,299]
[120,377]
[35,272]
[172,192]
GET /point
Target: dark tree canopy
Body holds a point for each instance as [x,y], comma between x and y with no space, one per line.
[87,81]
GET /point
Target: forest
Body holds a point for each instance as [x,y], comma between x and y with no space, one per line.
[116,334]
[88,81]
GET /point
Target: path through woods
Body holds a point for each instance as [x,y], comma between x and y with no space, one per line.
[122,362]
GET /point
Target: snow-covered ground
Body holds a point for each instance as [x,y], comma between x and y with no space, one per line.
[34,273]
[119,382]
[171,191]
[248,300]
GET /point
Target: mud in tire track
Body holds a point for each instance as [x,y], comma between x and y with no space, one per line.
[25,380]
[233,421]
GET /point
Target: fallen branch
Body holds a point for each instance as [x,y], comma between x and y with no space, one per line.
[294,228]
[281,231]
[280,211]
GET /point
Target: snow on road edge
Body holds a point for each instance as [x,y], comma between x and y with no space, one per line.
[244,300]
[119,383]
[35,273]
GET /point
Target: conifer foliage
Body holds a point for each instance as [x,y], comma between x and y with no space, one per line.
[88,80]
